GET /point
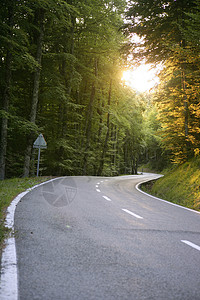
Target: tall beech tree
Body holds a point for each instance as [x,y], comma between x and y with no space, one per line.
[6,61]
[39,15]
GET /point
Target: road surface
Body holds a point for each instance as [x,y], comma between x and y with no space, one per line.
[100,238]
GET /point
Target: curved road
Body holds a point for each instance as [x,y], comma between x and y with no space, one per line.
[100,238]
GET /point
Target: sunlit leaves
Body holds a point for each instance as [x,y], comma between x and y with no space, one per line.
[170,31]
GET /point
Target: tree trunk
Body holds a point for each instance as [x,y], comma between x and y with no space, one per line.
[71,70]
[105,147]
[67,73]
[186,113]
[6,100]
[114,140]
[183,45]
[89,121]
[88,129]
[100,113]
[185,104]
[4,125]
[36,83]
[134,165]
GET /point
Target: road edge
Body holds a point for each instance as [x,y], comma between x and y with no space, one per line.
[159,199]
[9,273]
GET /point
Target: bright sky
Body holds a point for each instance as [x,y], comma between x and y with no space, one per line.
[141,79]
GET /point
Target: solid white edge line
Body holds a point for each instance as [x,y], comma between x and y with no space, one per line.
[108,199]
[9,276]
[191,244]
[156,198]
[131,213]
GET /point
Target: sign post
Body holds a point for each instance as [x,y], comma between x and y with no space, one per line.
[39,143]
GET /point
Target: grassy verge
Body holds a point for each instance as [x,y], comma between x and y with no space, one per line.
[180,185]
[9,189]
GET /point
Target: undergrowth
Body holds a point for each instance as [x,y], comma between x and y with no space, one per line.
[180,185]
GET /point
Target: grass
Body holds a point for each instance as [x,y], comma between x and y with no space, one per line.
[9,189]
[180,185]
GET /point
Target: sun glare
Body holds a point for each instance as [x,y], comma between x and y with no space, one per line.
[141,79]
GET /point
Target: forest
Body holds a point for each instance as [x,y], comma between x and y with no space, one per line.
[61,66]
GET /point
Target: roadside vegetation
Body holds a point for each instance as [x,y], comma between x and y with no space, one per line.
[180,185]
[9,189]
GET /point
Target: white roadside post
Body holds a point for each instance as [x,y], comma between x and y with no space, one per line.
[39,143]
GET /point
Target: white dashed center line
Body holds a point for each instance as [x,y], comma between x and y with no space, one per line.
[191,244]
[98,190]
[108,199]
[131,213]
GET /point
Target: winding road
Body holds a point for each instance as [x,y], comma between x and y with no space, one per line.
[101,238]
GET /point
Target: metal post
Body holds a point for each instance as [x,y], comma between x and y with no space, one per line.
[38,163]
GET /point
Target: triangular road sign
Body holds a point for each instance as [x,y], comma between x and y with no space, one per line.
[40,142]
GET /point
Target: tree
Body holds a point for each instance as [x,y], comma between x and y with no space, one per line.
[163,26]
[6,57]
[14,55]
[39,21]
[45,12]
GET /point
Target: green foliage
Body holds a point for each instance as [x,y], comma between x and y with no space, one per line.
[180,185]
[170,32]
[91,122]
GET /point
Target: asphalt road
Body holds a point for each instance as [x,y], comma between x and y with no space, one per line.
[100,238]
